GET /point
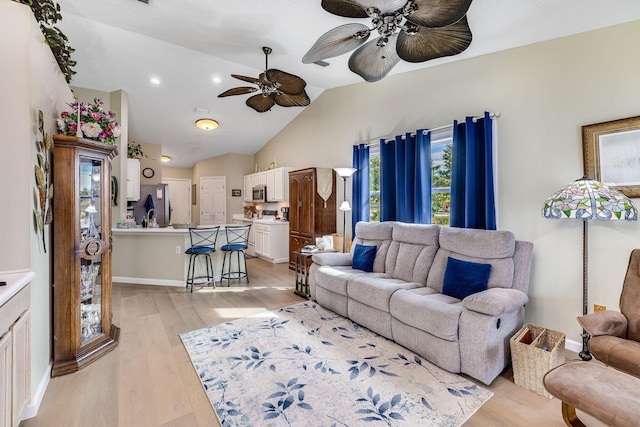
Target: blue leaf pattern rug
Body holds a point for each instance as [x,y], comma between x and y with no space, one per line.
[304,365]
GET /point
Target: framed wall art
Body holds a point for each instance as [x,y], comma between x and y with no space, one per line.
[612,154]
[236,192]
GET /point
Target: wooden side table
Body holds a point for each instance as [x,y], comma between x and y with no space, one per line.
[302,266]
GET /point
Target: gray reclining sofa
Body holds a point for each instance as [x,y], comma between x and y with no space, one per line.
[402,297]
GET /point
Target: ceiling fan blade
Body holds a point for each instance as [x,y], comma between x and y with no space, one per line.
[384,6]
[373,62]
[346,8]
[238,91]
[289,83]
[261,103]
[431,43]
[336,42]
[439,13]
[289,100]
[246,79]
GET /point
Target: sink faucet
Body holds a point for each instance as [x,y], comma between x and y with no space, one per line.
[149,213]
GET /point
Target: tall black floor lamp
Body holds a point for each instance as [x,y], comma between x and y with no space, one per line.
[344,206]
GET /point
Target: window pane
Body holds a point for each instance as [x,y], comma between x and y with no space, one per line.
[374,184]
[441,149]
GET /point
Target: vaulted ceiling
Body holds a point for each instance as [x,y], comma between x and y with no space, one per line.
[187,44]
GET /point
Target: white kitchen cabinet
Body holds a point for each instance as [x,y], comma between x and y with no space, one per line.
[14,358]
[133,180]
[272,240]
[278,184]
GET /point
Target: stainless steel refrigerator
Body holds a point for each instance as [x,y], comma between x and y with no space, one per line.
[156,196]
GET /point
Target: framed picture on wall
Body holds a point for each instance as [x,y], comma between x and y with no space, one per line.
[612,154]
[236,192]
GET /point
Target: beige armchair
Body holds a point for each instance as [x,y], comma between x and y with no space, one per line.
[615,336]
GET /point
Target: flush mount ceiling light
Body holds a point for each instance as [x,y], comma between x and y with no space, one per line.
[165,159]
[275,87]
[413,30]
[154,81]
[206,124]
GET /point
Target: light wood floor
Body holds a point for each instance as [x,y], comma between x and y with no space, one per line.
[148,380]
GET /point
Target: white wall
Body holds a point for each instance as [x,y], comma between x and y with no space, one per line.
[545,93]
[32,81]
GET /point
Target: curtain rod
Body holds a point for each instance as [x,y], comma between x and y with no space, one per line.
[426,131]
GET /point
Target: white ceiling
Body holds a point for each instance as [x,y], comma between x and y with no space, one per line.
[121,44]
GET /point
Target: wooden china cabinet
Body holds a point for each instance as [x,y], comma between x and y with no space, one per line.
[309,215]
[82,326]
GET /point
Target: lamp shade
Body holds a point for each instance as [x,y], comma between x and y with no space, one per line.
[588,199]
[344,206]
[345,172]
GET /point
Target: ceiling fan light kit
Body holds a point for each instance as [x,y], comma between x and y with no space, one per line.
[409,30]
[207,124]
[276,88]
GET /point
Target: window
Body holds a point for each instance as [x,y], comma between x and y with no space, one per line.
[374,184]
[441,151]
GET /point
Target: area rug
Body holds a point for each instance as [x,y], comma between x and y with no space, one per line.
[304,365]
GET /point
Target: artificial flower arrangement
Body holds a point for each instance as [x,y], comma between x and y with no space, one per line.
[94,122]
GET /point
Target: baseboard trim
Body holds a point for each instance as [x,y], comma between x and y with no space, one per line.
[573,345]
[32,408]
[156,282]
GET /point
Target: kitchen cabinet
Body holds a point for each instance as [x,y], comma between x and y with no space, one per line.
[309,215]
[133,180]
[276,180]
[271,240]
[15,320]
[82,315]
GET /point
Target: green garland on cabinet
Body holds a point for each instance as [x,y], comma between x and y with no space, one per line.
[47,13]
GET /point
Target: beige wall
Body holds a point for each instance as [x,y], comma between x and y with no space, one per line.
[234,167]
[33,82]
[153,154]
[177,173]
[545,93]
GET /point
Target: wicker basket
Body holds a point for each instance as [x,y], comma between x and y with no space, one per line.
[535,351]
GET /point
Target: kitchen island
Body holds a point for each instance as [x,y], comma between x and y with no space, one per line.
[155,256]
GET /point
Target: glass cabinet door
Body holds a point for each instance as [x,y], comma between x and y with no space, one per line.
[91,248]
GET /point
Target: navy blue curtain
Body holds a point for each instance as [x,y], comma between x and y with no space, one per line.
[405,178]
[360,186]
[472,187]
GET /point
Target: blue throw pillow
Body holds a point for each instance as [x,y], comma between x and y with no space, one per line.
[463,278]
[363,257]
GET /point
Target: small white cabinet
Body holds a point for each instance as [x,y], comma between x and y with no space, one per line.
[272,240]
[248,188]
[15,359]
[133,180]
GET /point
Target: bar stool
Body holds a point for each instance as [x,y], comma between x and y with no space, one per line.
[237,242]
[203,243]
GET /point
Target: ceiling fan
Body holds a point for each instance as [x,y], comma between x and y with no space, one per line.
[275,86]
[412,30]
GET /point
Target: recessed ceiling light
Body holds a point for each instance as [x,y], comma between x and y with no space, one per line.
[165,159]
[154,81]
[217,80]
[206,124]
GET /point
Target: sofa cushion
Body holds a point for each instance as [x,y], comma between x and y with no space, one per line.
[411,251]
[335,279]
[428,311]
[363,257]
[463,278]
[482,246]
[378,234]
[376,291]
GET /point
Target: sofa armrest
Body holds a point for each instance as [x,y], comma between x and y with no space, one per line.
[495,301]
[604,323]
[332,258]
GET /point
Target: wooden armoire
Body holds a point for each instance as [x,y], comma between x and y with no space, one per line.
[309,215]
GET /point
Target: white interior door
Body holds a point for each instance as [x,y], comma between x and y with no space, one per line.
[180,200]
[213,200]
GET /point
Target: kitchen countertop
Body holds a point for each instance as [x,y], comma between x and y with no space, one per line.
[15,283]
